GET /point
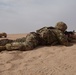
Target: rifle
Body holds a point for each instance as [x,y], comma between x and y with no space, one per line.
[71,35]
[68,33]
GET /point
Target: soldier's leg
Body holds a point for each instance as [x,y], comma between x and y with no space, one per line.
[3,42]
[23,39]
[15,46]
[32,41]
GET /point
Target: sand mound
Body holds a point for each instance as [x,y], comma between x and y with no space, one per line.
[48,60]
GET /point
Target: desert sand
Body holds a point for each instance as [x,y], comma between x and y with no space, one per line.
[46,60]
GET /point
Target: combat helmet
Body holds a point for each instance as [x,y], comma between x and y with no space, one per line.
[61,25]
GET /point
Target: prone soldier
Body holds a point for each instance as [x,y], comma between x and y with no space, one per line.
[44,36]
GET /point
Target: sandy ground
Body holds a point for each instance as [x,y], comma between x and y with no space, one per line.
[48,60]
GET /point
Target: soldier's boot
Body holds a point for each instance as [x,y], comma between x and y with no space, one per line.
[2,48]
[15,46]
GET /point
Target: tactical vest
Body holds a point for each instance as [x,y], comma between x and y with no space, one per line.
[48,36]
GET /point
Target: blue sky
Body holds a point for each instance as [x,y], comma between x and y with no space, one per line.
[24,16]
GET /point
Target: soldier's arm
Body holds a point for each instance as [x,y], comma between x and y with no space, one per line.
[73,38]
[62,38]
[74,35]
[71,35]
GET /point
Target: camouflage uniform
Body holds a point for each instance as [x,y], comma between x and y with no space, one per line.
[15,46]
[32,41]
[52,36]
[23,39]
[3,42]
[47,35]
[43,36]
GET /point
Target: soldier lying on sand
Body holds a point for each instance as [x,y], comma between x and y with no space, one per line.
[44,36]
